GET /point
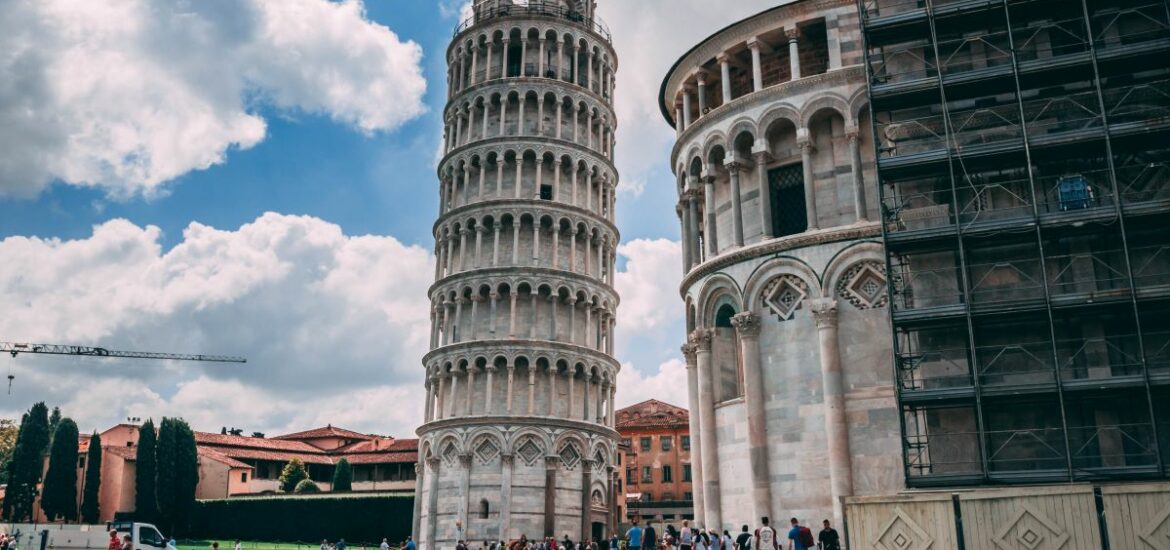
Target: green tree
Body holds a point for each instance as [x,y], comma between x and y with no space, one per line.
[90,511]
[186,475]
[59,497]
[54,421]
[306,486]
[166,478]
[27,462]
[8,432]
[293,473]
[343,476]
[145,498]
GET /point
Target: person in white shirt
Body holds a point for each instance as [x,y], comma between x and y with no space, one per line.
[385,545]
[686,537]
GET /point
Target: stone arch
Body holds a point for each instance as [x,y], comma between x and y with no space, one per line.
[777,267]
[485,453]
[716,139]
[783,111]
[713,288]
[857,102]
[826,100]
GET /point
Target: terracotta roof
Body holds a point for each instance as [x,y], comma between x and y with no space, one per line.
[274,456]
[652,413]
[222,458]
[272,444]
[379,445]
[326,431]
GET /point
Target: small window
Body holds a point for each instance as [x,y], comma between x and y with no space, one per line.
[81,462]
[243,477]
[685,441]
[484,509]
[546,192]
[667,442]
[626,442]
[630,476]
[646,475]
[686,472]
[667,474]
[645,443]
[688,496]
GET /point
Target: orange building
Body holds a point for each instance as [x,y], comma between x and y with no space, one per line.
[656,457]
[237,465]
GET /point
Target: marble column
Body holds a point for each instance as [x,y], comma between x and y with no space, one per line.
[550,484]
[432,501]
[810,184]
[709,213]
[416,521]
[701,80]
[684,231]
[689,350]
[586,501]
[858,178]
[733,168]
[506,462]
[713,518]
[725,76]
[511,378]
[692,195]
[686,98]
[793,52]
[531,389]
[753,44]
[762,156]
[487,403]
[464,487]
[440,395]
[824,310]
[747,328]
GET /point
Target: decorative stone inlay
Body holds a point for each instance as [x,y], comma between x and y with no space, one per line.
[901,532]
[1156,533]
[450,454]
[1030,530]
[783,295]
[570,456]
[529,452]
[487,451]
[864,286]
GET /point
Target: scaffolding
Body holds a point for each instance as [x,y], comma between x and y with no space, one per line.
[1023,153]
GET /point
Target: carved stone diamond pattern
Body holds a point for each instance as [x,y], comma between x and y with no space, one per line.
[450,455]
[864,286]
[902,533]
[1156,533]
[529,452]
[570,456]
[1030,530]
[784,294]
[598,461]
[487,451]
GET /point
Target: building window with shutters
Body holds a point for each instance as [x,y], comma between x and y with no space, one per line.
[685,441]
[645,443]
[686,472]
[667,442]
[667,474]
[646,475]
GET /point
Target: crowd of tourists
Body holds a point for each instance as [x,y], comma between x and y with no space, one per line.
[764,537]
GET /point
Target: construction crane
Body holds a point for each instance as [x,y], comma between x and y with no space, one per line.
[15,349]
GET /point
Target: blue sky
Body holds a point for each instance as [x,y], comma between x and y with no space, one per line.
[141,166]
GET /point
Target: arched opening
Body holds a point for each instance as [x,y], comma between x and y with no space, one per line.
[484,509]
[725,353]
[786,181]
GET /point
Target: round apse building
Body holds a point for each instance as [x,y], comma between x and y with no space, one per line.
[518,435]
[788,346]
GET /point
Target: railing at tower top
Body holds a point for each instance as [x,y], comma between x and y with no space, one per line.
[543,8]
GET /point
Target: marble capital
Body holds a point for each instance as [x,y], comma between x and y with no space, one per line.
[747,324]
[824,310]
[689,350]
[701,338]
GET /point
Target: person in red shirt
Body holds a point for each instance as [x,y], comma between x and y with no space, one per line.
[114,543]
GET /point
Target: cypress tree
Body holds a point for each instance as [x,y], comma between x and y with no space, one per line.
[167,480]
[343,476]
[28,461]
[90,511]
[10,471]
[145,499]
[186,474]
[59,498]
[54,421]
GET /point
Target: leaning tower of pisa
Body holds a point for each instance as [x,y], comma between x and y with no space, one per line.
[519,436]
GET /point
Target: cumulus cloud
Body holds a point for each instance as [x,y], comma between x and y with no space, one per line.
[128,95]
[667,384]
[649,284]
[333,325]
[650,35]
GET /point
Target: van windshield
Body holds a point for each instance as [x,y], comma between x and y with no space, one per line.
[150,536]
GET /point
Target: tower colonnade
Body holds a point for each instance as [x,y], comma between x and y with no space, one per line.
[519,435]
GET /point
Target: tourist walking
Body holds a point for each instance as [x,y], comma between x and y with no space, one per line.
[766,538]
[613,541]
[649,538]
[800,537]
[114,543]
[829,538]
[128,544]
[728,544]
[634,537]
[410,545]
[744,540]
[686,537]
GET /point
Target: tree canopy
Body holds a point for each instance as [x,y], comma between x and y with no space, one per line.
[343,476]
[90,506]
[59,497]
[146,469]
[27,463]
[293,473]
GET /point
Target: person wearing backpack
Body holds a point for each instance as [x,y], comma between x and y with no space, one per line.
[800,537]
[766,538]
[744,540]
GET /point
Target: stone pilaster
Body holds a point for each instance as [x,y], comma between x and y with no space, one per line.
[747,328]
[824,310]
[713,518]
[689,351]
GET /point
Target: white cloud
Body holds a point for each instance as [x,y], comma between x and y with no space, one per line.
[649,36]
[649,285]
[333,325]
[667,384]
[127,95]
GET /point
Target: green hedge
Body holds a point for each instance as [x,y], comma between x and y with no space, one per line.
[356,518]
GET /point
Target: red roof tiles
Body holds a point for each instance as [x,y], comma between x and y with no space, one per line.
[652,413]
